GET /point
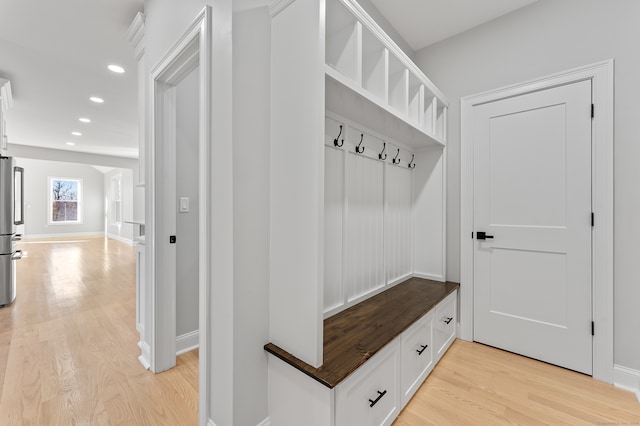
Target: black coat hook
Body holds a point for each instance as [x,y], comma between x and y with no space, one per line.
[381,156]
[335,141]
[396,160]
[359,148]
[412,165]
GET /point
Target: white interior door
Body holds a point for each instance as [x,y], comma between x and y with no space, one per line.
[532,195]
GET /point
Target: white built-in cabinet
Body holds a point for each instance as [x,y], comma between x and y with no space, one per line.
[358,137]
[378,390]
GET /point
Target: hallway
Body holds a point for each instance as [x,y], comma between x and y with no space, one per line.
[68,344]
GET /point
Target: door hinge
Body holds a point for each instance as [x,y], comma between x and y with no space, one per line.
[593,328]
[593,219]
[472,235]
[593,110]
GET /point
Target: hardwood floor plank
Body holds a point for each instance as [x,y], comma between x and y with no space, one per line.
[475,384]
[68,344]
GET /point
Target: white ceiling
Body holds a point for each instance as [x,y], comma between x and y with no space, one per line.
[424,22]
[56,52]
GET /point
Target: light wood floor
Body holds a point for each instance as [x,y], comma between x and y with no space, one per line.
[475,384]
[68,344]
[68,356]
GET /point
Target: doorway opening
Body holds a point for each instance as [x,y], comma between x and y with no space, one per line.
[178,221]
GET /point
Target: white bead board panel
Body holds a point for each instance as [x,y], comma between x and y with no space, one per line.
[369,246]
[364,226]
[333,229]
[429,221]
[398,236]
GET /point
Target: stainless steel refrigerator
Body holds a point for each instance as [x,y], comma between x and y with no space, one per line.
[11,215]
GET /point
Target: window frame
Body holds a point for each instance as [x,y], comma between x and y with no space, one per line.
[50,199]
[114,211]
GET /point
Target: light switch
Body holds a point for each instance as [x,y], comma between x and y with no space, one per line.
[184,204]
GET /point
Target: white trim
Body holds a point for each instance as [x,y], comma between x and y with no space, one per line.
[429,277]
[187,342]
[210,423]
[64,234]
[265,422]
[135,34]
[6,98]
[627,379]
[145,355]
[192,49]
[114,222]
[121,239]
[278,6]
[601,74]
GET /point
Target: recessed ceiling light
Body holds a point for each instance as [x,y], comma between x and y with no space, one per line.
[96,99]
[76,133]
[116,68]
[84,120]
[70,143]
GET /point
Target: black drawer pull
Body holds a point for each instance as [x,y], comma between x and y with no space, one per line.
[422,350]
[380,395]
[447,319]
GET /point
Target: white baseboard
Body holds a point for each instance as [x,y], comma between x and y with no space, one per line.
[187,342]
[63,234]
[429,276]
[265,422]
[119,238]
[145,355]
[627,379]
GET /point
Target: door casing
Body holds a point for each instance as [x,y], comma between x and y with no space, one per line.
[193,49]
[601,74]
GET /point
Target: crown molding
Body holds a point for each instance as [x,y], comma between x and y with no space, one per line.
[135,34]
[278,6]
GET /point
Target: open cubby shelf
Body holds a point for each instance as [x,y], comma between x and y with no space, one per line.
[367,63]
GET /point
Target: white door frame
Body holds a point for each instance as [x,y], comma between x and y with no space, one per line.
[191,50]
[601,75]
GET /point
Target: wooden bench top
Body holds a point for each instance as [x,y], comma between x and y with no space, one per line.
[354,335]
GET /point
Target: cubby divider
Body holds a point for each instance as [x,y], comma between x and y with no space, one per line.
[343,40]
[398,86]
[369,63]
[416,98]
[375,63]
[441,121]
[429,112]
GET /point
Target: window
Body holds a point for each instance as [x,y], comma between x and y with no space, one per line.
[116,200]
[65,196]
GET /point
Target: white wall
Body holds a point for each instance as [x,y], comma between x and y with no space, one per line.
[125,231]
[36,197]
[251,173]
[187,94]
[166,21]
[38,153]
[544,38]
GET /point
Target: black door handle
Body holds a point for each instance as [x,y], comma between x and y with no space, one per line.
[483,236]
